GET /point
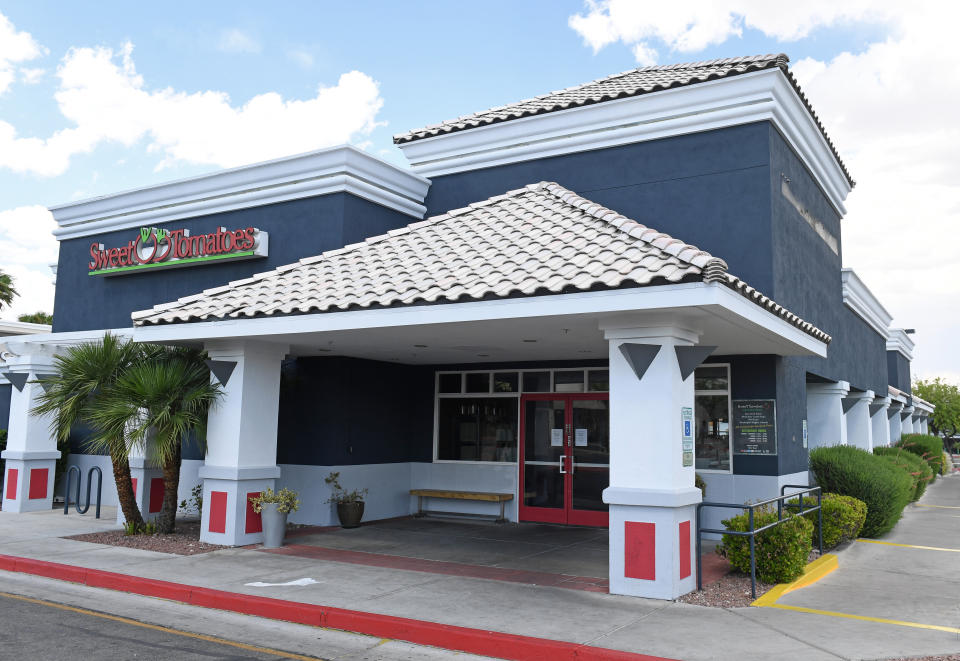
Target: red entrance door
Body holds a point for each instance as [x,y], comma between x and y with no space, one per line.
[564,458]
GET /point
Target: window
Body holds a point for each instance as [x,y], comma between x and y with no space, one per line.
[712,417]
[478,412]
[477,429]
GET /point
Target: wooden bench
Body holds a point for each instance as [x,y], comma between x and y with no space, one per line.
[485,496]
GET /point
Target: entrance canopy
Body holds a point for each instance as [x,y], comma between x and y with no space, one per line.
[532,274]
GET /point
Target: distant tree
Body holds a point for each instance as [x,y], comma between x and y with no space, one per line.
[946,397]
[36,318]
[7,290]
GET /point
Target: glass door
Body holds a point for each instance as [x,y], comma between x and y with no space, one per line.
[565,458]
[589,464]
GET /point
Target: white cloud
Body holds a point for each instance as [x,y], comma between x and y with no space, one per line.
[235,40]
[28,247]
[32,76]
[15,47]
[892,111]
[302,58]
[106,100]
[687,27]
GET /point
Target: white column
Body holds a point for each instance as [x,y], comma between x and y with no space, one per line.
[924,425]
[825,419]
[879,421]
[31,453]
[652,496]
[241,455]
[896,429]
[906,420]
[859,429]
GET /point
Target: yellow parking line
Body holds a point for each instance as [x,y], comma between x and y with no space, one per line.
[880,620]
[908,546]
[943,507]
[186,634]
[811,574]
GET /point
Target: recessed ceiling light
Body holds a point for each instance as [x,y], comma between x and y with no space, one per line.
[529,340]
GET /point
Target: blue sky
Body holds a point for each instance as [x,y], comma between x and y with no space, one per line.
[121,95]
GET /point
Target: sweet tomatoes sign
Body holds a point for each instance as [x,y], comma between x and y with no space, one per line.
[156,248]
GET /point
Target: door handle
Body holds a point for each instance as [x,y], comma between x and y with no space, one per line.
[562,468]
[571,465]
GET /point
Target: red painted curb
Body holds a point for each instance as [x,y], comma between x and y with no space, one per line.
[463,639]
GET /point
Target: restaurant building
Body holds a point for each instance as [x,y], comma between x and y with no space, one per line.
[578,300]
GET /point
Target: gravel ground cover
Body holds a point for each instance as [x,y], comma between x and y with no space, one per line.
[731,591]
[185,541]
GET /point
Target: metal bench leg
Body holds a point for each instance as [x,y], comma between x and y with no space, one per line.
[501,519]
[419,506]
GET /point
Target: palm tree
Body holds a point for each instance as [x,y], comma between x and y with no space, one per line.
[7,290]
[85,375]
[162,401]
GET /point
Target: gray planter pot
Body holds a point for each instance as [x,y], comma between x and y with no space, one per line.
[274,526]
[350,514]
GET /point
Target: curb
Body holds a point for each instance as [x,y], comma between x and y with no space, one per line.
[813,572]
[463,639]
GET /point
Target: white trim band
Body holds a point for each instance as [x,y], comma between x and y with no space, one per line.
[337,169]
[754,97]
[858,297]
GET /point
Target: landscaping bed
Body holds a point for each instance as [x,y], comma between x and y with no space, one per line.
[185,541]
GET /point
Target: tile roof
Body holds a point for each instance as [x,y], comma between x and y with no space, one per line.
[633,82]
[541,239]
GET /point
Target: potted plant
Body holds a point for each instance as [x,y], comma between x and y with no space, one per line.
[273,508]
[349,503]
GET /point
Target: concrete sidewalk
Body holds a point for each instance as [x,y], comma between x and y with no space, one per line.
[667,629]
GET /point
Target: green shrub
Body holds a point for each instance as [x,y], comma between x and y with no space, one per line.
[947,465]
[929,448]
[700,484]
[849,471]
[918,469]
[843,518]
[781,552]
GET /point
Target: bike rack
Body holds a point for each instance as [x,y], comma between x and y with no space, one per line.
[85,508]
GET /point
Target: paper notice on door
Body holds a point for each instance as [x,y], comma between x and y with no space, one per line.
[580,438]
[556,437]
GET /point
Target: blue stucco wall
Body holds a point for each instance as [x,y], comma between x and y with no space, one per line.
[297,229]
[5,405]
[344,411]
[709,189]
[807,277]
[898,371]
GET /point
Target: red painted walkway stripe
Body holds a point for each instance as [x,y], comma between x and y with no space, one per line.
[586,583]
[446,636]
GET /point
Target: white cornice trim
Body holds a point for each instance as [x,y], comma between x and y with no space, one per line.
[338,169]
[898,340]
[864,304]
[8,328]
[705,296]
[763,95]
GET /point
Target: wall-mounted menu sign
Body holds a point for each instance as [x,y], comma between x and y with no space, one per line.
[754,426]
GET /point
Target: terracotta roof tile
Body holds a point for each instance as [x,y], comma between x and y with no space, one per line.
[634,82]
[542,239]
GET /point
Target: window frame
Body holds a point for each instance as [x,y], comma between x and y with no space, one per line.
[729,393]
[437,396]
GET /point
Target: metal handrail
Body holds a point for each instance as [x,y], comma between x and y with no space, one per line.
[85,508]
[752,532]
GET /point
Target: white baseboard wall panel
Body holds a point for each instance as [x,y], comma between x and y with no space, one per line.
[729,488]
